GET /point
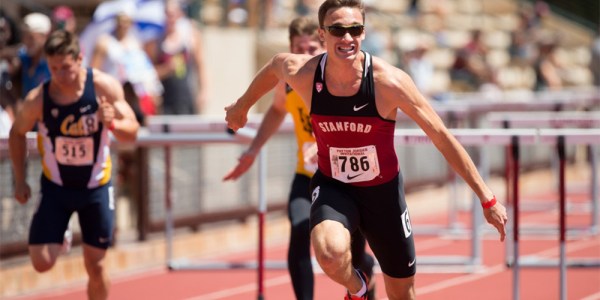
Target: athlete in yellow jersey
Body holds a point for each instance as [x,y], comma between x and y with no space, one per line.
[303,40]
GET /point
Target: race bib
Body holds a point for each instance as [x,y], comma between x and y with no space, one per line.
[75,151]
[354,164]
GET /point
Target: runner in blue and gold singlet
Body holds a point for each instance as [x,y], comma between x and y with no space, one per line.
[74,112]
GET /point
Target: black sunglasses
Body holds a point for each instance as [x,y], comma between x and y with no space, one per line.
[340,31]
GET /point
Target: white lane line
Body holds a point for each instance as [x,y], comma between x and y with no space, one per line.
[595,296]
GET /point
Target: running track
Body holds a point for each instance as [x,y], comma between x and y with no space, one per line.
[492,282]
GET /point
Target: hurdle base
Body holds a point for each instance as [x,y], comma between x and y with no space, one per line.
[541,262]
[217,265]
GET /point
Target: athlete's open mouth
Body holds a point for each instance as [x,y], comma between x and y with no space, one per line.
[347,49]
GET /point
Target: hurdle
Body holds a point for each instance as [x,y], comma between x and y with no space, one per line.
[168,139]
[559,138]
[184,126]
[571,119]
[455,114]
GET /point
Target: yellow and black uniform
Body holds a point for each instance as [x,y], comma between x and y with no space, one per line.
[302,128]
[75,149]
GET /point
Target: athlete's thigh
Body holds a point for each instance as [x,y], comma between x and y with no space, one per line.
[96,217]
[52,216]
[386,225]
[331,200]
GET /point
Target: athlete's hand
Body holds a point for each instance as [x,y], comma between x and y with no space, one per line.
[244,163]
[106,112]
[496,215]
[311,160]
[22,192]
[235,116]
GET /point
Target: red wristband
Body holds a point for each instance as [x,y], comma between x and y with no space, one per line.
[111,126]
[489,204]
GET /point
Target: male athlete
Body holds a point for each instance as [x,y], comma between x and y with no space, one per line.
[303,40]
[74,111]
[353,99]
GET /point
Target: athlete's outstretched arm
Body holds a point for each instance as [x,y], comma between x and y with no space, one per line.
[401,92]
[25,119]
[280,67]
[269,125]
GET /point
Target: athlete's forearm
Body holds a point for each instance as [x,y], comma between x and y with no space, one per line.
[269,125]
[17,146]
[125,130]
[461,162]
[264,81]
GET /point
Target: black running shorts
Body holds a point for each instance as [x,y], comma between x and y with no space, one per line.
[379,212]
[94,207]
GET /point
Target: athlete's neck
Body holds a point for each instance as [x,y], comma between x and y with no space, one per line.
[343,77]
[67,93]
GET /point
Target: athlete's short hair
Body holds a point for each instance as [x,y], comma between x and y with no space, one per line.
[334,4]
[62,42]
[303,26]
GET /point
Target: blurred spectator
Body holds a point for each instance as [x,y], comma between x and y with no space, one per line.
[31,60]
[413,8]
[470,69]
[307,7]
[237,14]
[595,61]
[541,10]
[420,69]
[64,18]
[546,66]
[9,88]
[121,55]
[179,62]
[521,49]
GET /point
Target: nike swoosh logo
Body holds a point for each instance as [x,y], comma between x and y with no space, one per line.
[411,263]
[360,107]
[85,108]
[352,177]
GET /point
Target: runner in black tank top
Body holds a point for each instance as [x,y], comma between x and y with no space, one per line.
[303,40]
[358,184]
[353,139]
[74,110]
[353,142]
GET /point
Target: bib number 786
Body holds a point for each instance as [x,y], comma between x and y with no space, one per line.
[354,164]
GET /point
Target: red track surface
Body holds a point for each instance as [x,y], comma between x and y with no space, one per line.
[493,281]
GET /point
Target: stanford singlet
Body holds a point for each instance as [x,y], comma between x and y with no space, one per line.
[72,141]
[355,144]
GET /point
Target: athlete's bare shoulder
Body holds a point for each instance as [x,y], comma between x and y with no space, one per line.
[393,88]
[294,64]
[302,79]
[31,111]
[107,86]
[387,75]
